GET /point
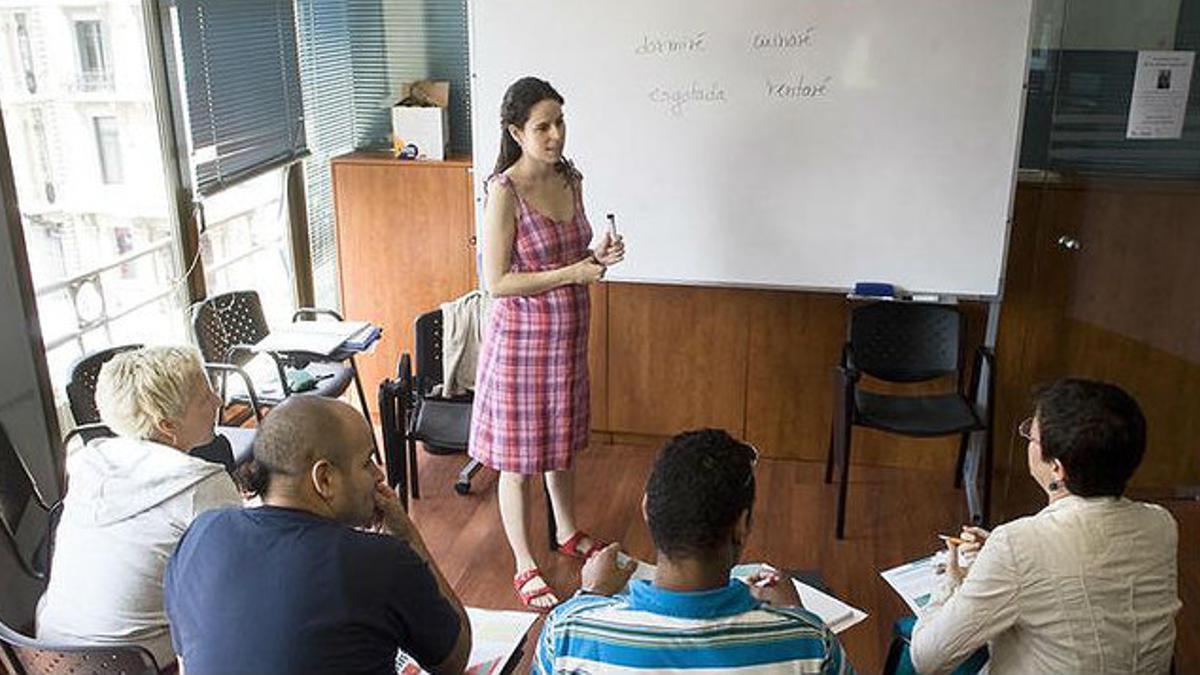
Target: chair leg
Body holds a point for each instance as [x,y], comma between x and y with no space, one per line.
[986,470]
[362,400]
[962,460]
[844,460]
[463,485]
[413,474]
[829,456]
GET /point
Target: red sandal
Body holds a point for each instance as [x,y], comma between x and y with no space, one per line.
[570,547]
[527,597]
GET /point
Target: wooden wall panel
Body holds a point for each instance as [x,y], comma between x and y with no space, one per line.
[795,341]
[404,247]
[676,358]
[598,356]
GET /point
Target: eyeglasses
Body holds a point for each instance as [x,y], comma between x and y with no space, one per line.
[1026,430]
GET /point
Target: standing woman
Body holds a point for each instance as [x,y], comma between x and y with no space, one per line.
[531,411]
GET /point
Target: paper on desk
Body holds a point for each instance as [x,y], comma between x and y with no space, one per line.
[315,337]
[495,636]
[914,582]
[836,614]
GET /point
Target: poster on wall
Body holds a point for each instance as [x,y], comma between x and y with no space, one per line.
[1160,94]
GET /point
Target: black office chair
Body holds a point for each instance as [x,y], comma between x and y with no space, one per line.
[227,326]
[21,654]
[443,425]
[908,343]
[232,446]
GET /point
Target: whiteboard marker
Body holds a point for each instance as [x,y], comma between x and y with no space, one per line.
[612,223]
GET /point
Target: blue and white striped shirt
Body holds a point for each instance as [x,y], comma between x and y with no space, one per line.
[651,629]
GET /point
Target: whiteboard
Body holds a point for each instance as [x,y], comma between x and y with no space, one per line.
[778,143]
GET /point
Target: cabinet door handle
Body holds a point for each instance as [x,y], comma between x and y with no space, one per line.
[472,240]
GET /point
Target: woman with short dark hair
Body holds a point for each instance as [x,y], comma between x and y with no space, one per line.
[1088,584]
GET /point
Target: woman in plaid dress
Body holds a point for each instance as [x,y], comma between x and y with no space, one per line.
[531,411]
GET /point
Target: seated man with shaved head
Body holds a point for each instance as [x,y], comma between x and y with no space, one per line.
[293,587]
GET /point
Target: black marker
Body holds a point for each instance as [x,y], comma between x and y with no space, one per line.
[612,223]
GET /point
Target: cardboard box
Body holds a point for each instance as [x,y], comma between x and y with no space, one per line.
[420,120]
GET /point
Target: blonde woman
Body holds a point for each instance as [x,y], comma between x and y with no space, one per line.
[129,500]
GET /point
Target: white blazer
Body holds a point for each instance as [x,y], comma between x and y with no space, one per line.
[1087,585]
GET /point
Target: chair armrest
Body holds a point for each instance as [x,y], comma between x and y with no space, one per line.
[82,430]
[313,312]
[278,358]
[227,368]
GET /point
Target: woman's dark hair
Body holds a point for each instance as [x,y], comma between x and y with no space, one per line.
[702,483]
[519,100]
[1095,430]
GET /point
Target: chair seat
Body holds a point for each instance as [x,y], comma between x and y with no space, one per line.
[332,378]
[936,415]
[443,425]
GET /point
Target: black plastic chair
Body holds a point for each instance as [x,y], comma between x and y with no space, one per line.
[908,343]
[27,656]
[443,425]
[18,494]
[81,389]
[227,326]
[232,446]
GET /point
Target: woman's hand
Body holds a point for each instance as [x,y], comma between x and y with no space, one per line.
[973,539]
[584,272]
[611,249]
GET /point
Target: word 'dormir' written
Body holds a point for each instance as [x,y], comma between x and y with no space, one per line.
[677,99]
[670,44]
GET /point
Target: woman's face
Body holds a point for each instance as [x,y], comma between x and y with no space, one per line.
[544,134]
[1041,470]
[195,427]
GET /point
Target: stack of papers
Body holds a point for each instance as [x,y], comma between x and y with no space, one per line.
[495,636]
[915,582]
[312,337]
[836,614]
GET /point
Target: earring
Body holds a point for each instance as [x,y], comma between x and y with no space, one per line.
[1052,486]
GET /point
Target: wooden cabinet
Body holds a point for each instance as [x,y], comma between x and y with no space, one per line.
[405,239]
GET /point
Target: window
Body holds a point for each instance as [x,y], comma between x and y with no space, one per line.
[22,21]
[93,64]
[108,146]
[105,263]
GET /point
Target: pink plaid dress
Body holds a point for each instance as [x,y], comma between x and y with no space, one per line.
[532,404]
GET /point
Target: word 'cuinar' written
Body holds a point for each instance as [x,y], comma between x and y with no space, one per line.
[677,99]
[801,88]
[674,44]
[783,40]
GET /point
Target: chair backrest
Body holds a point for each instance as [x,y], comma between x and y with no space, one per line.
[81,390]
[427,334]
[225,320]
[31,544]
[34,657]
[906,342]
[390,420]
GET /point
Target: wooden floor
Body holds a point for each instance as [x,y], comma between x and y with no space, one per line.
[893,516]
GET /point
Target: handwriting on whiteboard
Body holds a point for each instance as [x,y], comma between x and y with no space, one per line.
[677,99]
[670,44]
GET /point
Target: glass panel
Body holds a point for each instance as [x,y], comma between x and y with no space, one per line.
[108,145]
[245,243]
[102,245]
